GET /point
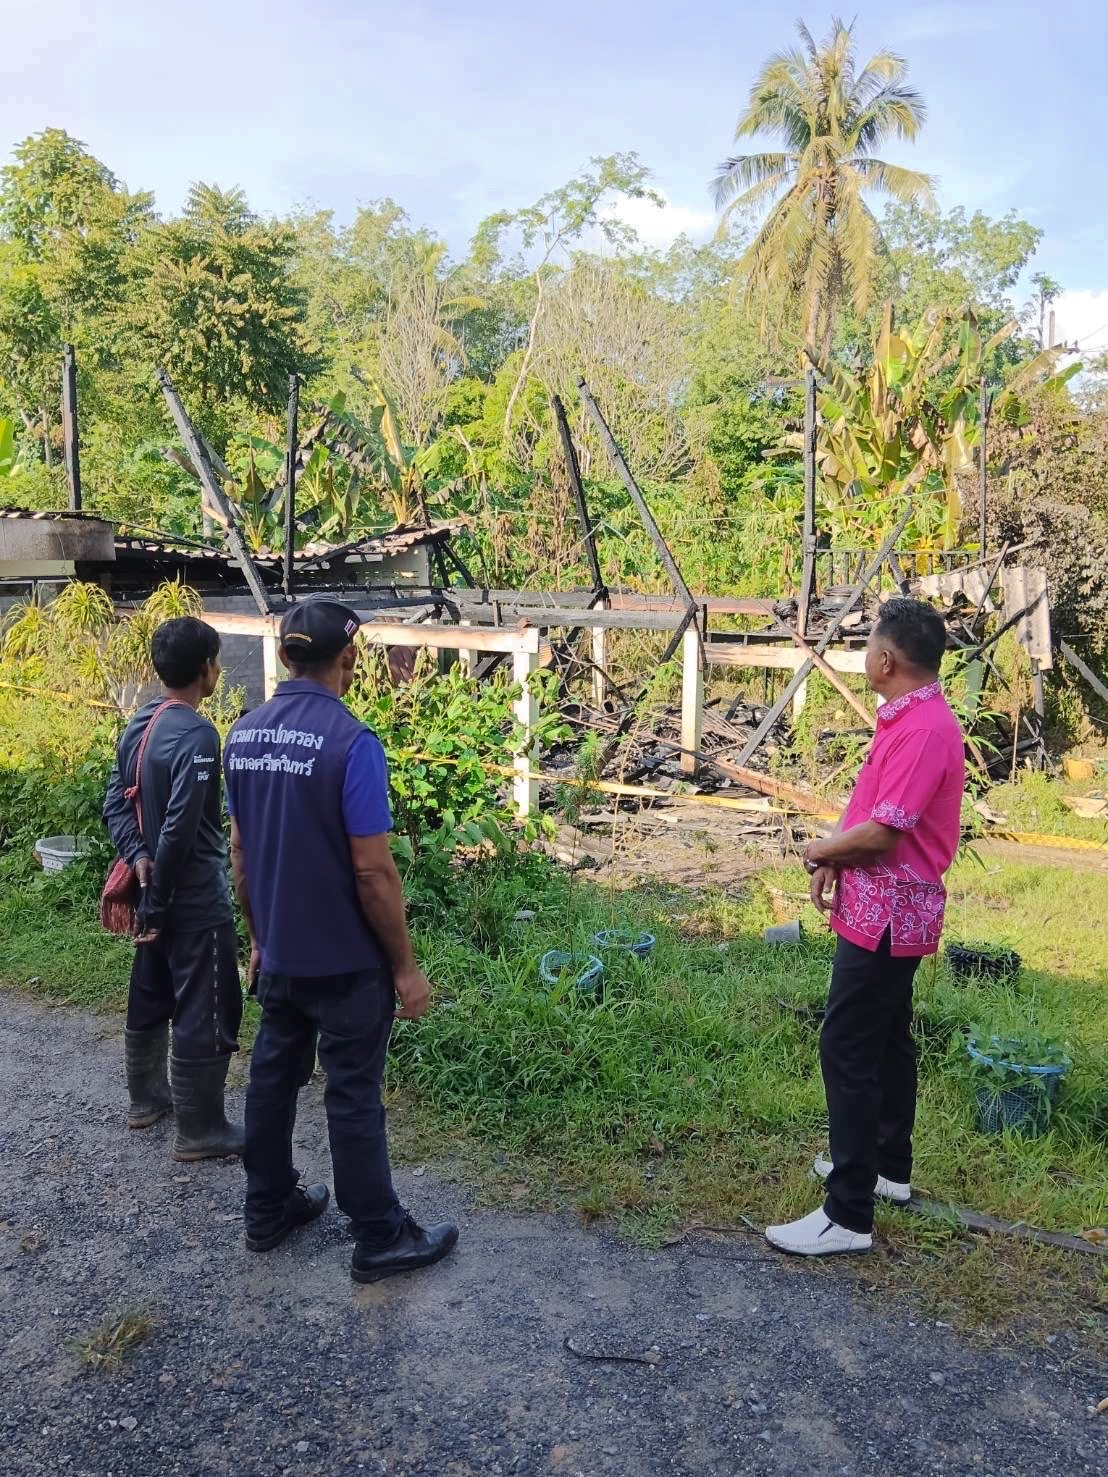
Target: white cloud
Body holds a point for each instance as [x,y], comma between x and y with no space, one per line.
[659,226]
[1082,317]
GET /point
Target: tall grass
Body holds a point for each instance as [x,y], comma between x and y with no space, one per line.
[706,1054]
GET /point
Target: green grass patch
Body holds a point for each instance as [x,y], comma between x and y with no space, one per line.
[1035,803]
[50,940]
[106,1347]
[691,1092]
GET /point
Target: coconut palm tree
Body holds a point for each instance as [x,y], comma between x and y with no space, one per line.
[820,241]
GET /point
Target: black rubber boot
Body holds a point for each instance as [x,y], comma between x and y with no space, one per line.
[413,1248]
[145,1054]
[202,1128]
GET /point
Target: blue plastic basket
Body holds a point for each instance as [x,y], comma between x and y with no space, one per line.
[1022,1106]
[555,964]
[627,939]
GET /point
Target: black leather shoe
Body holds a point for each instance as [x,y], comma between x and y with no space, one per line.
[306,1203]
[413,1248]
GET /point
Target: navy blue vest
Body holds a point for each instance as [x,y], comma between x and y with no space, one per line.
[285,765]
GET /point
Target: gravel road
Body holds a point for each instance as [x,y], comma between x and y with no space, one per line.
[258,1365]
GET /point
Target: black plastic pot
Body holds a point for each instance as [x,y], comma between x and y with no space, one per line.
[982,961]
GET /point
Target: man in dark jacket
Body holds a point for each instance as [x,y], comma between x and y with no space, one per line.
[307,788]
[186,956]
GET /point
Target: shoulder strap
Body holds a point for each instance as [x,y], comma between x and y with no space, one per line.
[134,793]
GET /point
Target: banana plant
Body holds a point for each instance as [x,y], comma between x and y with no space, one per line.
[252,501]
[7,445]
[328,497]
[328,502]
[376,450]
[913,422]
[13,458]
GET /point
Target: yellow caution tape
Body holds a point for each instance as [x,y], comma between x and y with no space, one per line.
[1033,838]
[68,697]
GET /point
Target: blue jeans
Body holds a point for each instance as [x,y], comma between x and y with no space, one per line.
[352,1014]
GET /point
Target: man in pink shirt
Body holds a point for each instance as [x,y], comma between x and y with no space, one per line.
[885,862]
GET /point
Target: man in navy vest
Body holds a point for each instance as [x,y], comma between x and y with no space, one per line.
[307,789]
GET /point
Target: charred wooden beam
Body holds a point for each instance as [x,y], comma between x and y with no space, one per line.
[290,482]
[450,554]
[984,407]
[808,570]
[619,462]
[1086,671]
[198,454]
[580,599]
[829,672]
[70,436]
[802,673]
[573,471]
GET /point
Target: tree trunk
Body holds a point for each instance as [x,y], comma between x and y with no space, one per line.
[528,355]
[811,331]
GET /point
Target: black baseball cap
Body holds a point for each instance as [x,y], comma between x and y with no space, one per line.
[317,629]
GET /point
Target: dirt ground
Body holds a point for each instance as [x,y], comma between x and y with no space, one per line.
[685,846]
[268,1364]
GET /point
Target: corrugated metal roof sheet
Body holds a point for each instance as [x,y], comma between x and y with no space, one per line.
[376,546]
[379,545]
[49,516]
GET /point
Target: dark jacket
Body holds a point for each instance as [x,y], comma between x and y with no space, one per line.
[182,831]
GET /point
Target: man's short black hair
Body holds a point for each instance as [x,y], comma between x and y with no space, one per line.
[916,629]
[181,649]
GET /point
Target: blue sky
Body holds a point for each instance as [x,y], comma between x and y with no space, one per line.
[460,109]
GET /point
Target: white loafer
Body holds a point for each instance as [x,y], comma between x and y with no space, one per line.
[885,1189]
[815,1235]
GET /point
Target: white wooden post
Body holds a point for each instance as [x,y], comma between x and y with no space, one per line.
[465,655]
[526,786]
[600,665]
[692,698]
[270,661]
[800,697]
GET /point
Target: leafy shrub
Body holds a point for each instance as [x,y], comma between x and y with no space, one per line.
[75,644]
[449,742]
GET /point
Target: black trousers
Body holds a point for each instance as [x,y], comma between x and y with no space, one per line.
[192,979]
[352,1014]
[868,1058]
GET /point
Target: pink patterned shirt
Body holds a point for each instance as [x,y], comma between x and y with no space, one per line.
[912,780]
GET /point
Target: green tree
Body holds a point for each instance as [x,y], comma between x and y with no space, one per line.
[214,301]
[347,276]
[552,225]
[1047,291]
[950,260]
[820,239]
[67,229]
[1049,483]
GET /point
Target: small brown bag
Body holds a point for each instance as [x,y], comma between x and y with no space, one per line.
[120,899]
